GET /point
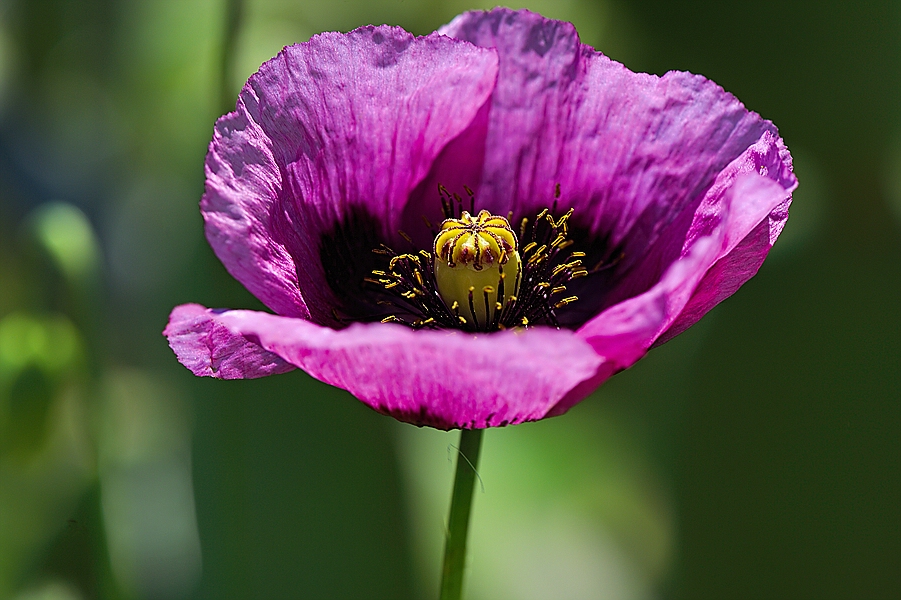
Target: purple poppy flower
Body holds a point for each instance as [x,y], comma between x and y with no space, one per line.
[322,198]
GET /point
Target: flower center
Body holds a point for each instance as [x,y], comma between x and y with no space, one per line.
[477,266]
[477,277]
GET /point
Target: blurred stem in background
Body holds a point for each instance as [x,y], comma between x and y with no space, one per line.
[234,13]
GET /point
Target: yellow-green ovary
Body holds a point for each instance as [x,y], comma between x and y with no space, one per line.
[472,254]
[454,284]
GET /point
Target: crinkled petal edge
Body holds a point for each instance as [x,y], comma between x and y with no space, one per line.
[442,379]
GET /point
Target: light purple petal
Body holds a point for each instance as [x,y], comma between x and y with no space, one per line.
[351,133]
[444,379]
[344,126]
[745,205]
[623,333]
[634,153]
[729,273]
[243,187]
[767,158]
[750,239]
[208,349]
[357,121]
[458,167]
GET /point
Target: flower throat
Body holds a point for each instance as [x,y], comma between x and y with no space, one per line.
[479,276]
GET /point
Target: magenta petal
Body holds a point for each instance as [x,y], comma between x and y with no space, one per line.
[729,273]
[343,126]
[537,57]
[243,187]
[749,202]
[631,151]
[339,143]
[209,349]
[444,379]
[767,158]
[624,332]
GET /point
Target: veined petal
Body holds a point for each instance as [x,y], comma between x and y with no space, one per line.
[243,191]
[634,153]
[731,270]
[208,349]
[343,125]
[695,282]
[444,379]
[767,159]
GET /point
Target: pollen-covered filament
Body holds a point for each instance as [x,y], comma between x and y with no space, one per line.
[477,267]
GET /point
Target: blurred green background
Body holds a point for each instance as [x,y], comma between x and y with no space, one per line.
[756,456]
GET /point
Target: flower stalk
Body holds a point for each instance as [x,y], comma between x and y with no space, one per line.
[458,520]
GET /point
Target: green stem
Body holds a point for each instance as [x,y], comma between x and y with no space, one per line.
[458,521]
